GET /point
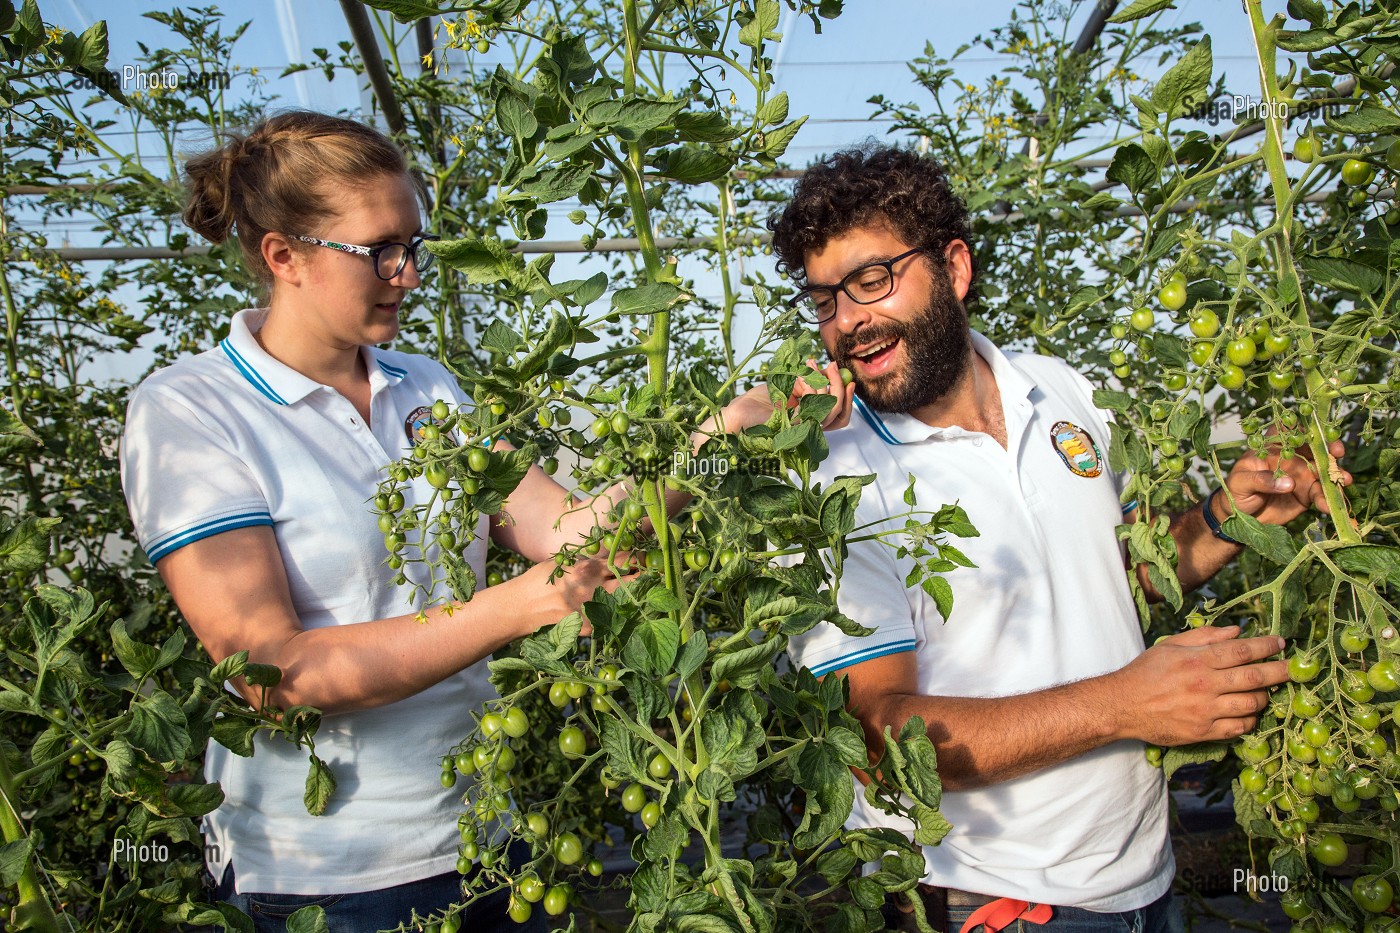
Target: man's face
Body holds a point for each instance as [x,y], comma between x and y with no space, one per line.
[911,347]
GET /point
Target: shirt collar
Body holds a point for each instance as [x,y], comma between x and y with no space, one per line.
[1014,385]
[278,382]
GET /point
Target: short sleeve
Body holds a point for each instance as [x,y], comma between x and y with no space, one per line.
[183,477]
[871,592]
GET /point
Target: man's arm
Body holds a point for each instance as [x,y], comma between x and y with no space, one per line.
[1255,490]
[1198,686]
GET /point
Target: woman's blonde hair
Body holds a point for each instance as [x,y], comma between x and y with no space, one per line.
[282,175]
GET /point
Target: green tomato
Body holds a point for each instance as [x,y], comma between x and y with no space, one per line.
[620,422]
[1305,149]
[1277,343]
[1357,687]
[1354,639]
[1202,351]
[1231,377]
[634,797]
[1175,382]
[1299,750]
[505,761]
[1172,297]
[651,814]
[558,695]
[1384,675]
[1368,718]
[1252,781]
[595,868]
[1306,704]
[601,427]
[1357,173]
[1205,323]
[1372,893]
[441,410]
[537,823]
[519,910]
[1142,319]
[530,888]
[478,458]
[1280,380]
[568,849]
[847,377]
[1294,905]
[491,724]
[449,778]
[556,901]
[659,767]
[576,689]
[550,466]
[1303,668]
[1253,749]
[465,763]
[516,723]
[1241,352]
[572,742]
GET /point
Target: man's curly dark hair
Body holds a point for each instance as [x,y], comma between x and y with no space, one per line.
[870,184]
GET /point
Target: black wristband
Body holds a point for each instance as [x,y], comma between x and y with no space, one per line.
[1211,521]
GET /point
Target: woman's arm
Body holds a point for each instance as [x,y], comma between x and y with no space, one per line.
[232,589]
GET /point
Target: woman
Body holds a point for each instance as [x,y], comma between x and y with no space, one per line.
[248,469]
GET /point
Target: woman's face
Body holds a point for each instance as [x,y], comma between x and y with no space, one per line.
[342,299]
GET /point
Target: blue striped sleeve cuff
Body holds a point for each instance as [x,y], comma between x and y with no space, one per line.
[866,654]
[176,540]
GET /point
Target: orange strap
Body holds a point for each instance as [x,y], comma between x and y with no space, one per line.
[998,915]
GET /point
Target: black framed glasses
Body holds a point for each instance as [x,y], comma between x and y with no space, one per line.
[388,259]
[865,285]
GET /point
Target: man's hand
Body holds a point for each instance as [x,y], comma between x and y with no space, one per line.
[1200,686]
[1277,500]
[754,406]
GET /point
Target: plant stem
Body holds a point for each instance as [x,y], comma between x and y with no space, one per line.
[1264,35]
[33,906]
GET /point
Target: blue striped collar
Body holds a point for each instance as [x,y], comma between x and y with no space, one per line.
[895,428]
[274,381]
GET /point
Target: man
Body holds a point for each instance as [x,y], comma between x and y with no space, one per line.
[1037,690]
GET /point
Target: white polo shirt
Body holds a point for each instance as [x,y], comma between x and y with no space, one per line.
[1048,603]
[232,438]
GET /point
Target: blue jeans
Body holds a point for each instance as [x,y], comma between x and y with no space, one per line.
[385,909]
[1161,916]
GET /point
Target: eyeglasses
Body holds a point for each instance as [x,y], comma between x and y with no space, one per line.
[866,285]
[388,259]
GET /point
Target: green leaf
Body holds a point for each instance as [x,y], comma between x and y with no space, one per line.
[138,659]
[88,54]
[652,646]
[849,746]
[592,289]
[663,600]
[514,115]
[692,655]
[775,142]
[158,727]
[1369,118]
[1183,88]
[14,859]
[708,126]
[262,675]
[1374,560]
[309,919]
[24,547]
[693,165]
[1112,400]
[1199,753]
[941,592]
[638,115]
[774,110]
[320,786]
[1309,40]
[1272,541]
[1343,274]
[556,184]
[500,338]
[647,299]
[235,734]
[229,668]
[484,260]
[1139,9]
[741,667]
[1133,167]
[1082,300]
[763,24]
[405,11]
[195,799]
[15,435]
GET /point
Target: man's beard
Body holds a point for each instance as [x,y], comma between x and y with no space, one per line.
[937,350]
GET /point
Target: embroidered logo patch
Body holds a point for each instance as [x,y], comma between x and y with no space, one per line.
[417,420]
[1076,448]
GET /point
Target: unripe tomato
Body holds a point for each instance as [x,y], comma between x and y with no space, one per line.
[576,689]
[537,823]
[572,742]
[1305,150]
[449,778]
[1316,733]
[558,695]
[516,723]
[1241,352]
[505,761]
[634,797]
[1302,668]
[556,901]
[441,410]
[1205,323]
[1231,377]
[659,767]
[1306,704]
[1202,351]
[1372,893]
[1280,380]
[568,849]
[1294,905]
[1357,173]
[1368,718]
[1172,297]
[1354,639]
[478,458]
[847,377]
[651,814]
[601,427]
[1277,343]
[465,763]
[550,466]
[491,724]
[530,888]
[1142,319]
[1357,687]
[620,422]
[1384,675]
[594,867]
[1252,781]
[1119,331]
[519,910]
